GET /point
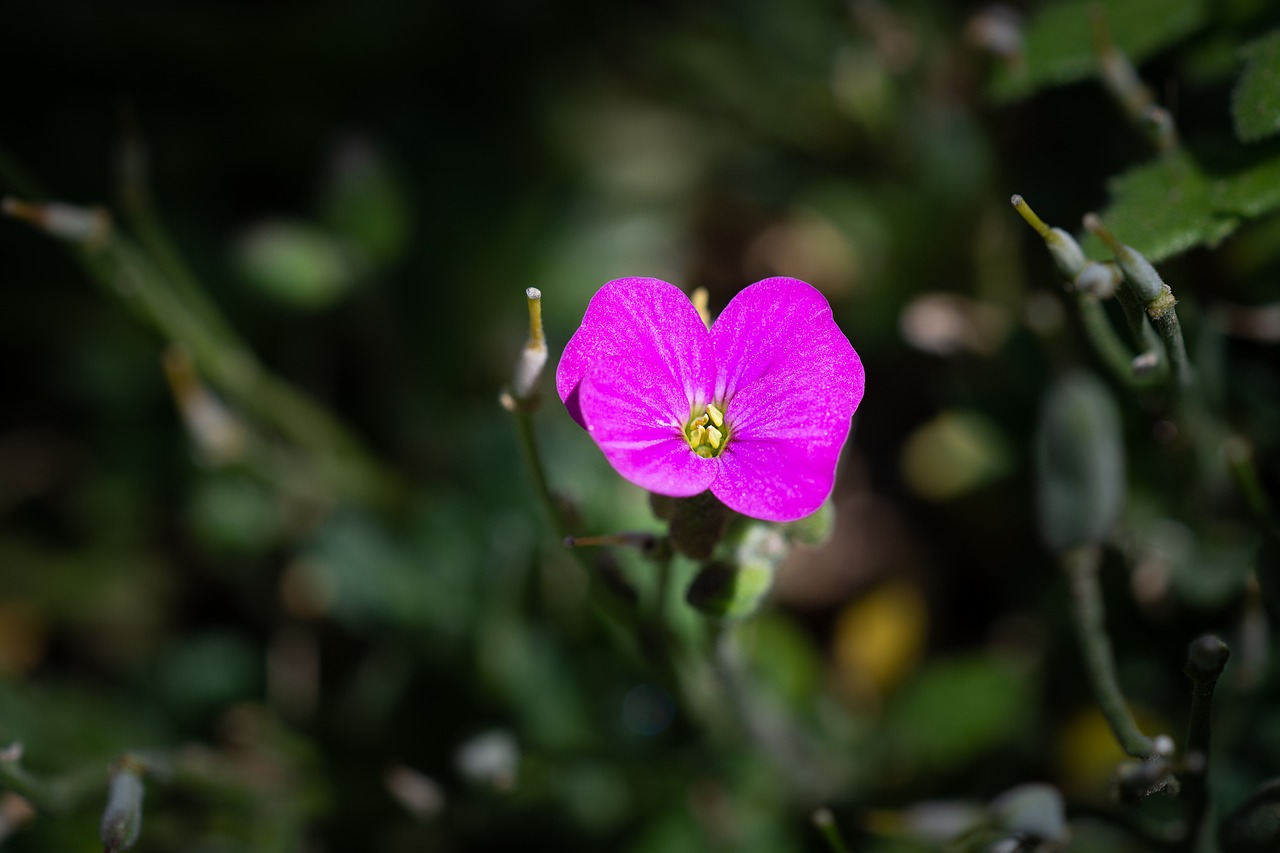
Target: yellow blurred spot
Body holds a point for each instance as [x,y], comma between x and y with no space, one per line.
[717,416]
[714,436]
[879,639]
[22,638]
[952,454]
[1086,753]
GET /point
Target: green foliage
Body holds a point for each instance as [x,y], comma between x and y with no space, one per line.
[1193,198]
[316,631]
[1255,104]
[1059,45]
[957,711]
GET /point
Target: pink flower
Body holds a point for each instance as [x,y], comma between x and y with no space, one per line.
[755,409]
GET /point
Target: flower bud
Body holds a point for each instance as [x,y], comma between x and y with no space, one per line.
[1136,268]
[816,528]
[698,524]
[122,818]
[727,590]
[89,226]
[1098,279]
[1080,463]
[1063,248]
[533,358]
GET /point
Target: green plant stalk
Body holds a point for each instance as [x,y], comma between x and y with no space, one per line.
[1108,344]
[1206,659]
[826,824]
[57,796]
[1164,316]
[1239,458]
[1135,314]
[1081,566]
[127,272]
[533,459]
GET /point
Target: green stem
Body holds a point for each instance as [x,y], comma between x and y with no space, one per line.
[1110,348]
[1081,566]
[127,272]
[1135,314]
[1165,317]
[57,796]
[1206,659]
[1239,458]
[826,824]
[533,458]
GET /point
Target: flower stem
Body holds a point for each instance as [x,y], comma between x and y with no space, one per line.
[1206,659]
[1108,344]
[1163,314]
[1081,566]
[1135,314]
[533,458]
[826,824]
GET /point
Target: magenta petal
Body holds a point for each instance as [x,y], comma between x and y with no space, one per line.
[643,319]
[636,413]
[775,480]
[791,381]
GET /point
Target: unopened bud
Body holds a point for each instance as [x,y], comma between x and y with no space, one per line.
[217,433]
[1136,268]
[1098,279]
[1063,248]
[728,590]
[533,358]
[89,226]
[122,818]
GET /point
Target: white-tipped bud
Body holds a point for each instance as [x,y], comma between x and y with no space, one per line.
[1098,279]
[1136,268]
[1065,251]
[87,225]
[533,358]
[218,434]
[122,818]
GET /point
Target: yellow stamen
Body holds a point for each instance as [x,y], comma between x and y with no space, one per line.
[696,435]
[714,436]
[717,416]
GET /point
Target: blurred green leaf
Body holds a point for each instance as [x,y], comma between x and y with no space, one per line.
[1255,104]
[296,263]
[956,710]
[1080,462]
[365,202]
[206,672]
[233,512]
[1195,197]
[1059,45]
[784,658]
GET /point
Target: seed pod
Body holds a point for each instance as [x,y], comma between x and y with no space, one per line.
[1080,463]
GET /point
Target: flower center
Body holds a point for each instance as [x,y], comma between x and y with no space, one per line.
[707,433]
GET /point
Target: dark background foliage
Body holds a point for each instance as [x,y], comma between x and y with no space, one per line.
[363,191]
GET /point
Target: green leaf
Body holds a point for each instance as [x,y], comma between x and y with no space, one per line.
[1255,105]
[1059,47]
[958,709]
[1193,198]
[296,264]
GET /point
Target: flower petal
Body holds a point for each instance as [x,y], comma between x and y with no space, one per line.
[775,480]
[792,382]
[646,320]
[636,414]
